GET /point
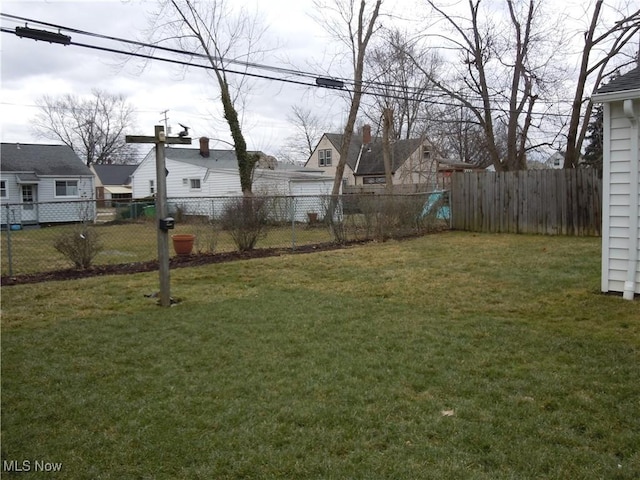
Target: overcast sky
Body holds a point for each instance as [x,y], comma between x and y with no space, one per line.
[31,69]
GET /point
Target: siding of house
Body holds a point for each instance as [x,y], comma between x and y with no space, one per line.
[47,188]
[417,170]
[222,183]
[48,207]
[267,184]
[326,144]
[617,188]
[13,197]
[12,188]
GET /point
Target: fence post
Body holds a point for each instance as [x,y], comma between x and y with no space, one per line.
[9,256]
[293,222]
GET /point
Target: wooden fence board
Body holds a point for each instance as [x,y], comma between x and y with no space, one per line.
[552,202]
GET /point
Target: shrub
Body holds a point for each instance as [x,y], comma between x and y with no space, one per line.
[334,217]
[80,245]
[246,220]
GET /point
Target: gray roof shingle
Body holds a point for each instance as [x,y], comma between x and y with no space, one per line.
[217,159]
[114,174]
[628,81]
[371,161]
[41,159]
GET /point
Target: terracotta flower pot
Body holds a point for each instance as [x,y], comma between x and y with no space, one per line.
[183,243]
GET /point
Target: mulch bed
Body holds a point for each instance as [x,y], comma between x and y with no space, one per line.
[174,262]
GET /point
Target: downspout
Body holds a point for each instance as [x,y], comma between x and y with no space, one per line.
[630,284]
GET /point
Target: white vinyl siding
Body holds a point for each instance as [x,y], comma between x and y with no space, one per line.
[214,183]
[617,199]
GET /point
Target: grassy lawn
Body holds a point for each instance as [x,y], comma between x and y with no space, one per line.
[452,356]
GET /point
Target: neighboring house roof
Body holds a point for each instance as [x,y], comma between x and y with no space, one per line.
[226,160]
[371,161]
[299,174]
[625,86]
[217,159]
[628,81]
[354,147]
[42,160]
[447,165]
[114,174]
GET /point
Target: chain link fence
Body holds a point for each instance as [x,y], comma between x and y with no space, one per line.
[126,231]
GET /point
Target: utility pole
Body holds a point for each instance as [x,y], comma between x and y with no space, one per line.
[164,222]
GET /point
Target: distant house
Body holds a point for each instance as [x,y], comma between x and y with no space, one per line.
[195,173]
[113,182]
[446,168]
[621,184]
[44,184]
[556,160]
[414,163]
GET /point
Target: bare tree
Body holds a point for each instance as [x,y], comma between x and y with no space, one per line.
[461,138]
[93,127]
[308,129]
[387,123]
[353,26]
[400,84]
[504,67]
[227,41]
[603,41]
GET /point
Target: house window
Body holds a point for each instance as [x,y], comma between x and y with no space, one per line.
[152,187]
[556,161]
[374,180]
[426,153]
[3,188]
[194,184]
[66,188]
[324,158]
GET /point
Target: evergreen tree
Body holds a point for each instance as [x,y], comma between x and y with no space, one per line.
[593,150]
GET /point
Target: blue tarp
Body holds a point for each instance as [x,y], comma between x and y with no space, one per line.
[436,201]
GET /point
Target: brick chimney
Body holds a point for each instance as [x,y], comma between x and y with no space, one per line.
[204,147]
[366,134]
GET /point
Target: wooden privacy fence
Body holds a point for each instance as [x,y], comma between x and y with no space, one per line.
[552,202]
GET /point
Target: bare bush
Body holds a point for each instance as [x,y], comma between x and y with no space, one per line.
[80,245]
[246,220]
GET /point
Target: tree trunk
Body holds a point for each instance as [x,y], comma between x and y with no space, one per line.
[386,150]
[246,161]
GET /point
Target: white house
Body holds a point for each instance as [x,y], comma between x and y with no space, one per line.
[556,160]
[196,174]
[42,184]
[621,184]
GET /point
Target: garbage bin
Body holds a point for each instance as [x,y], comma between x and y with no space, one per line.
[149,211]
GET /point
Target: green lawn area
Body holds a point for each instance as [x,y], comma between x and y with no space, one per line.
[451,356]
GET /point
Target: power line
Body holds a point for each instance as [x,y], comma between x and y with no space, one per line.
[383,90]
[393,92]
